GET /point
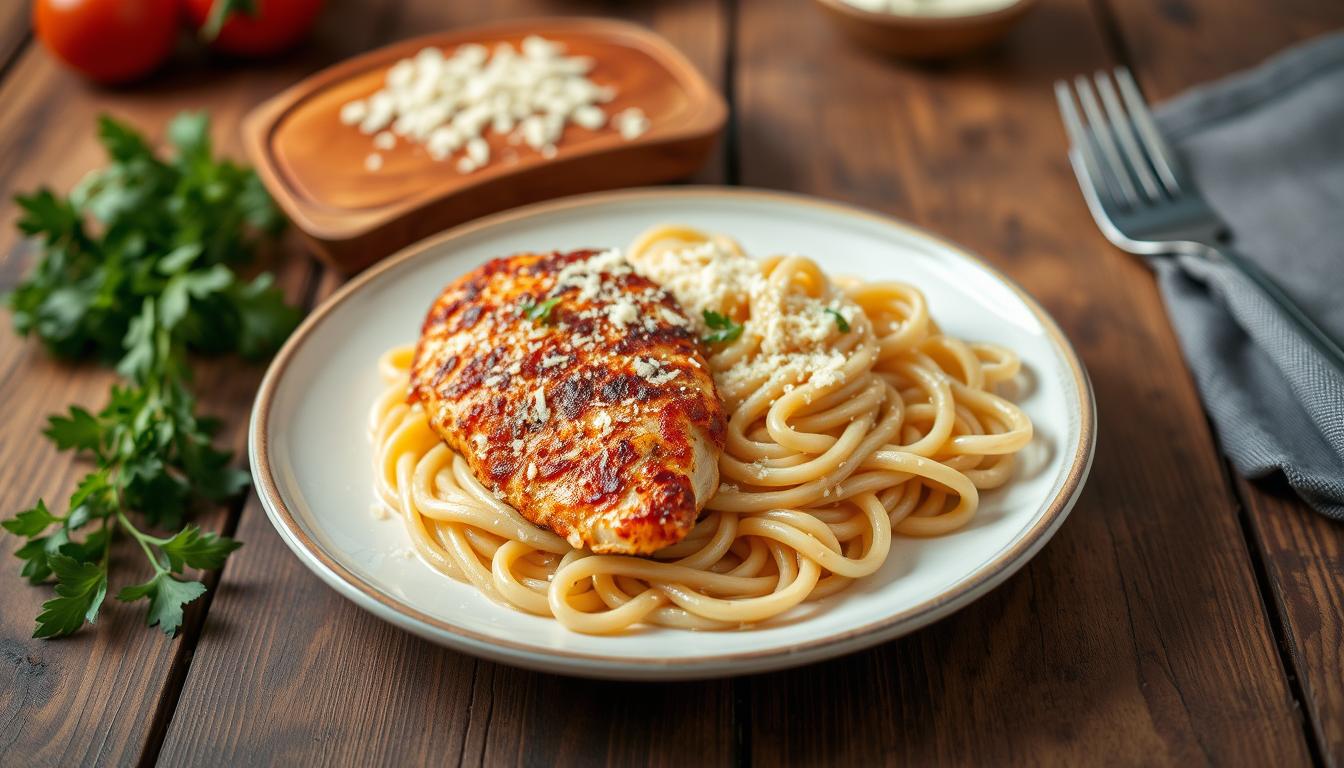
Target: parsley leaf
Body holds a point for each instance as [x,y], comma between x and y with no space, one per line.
[840,321]
[30,522]
[266,319]
[167,228]
[36,555]
[78,431]
[541,313]
[137,269]
[166,597]
[189,133]
[722,328]
[198,549]
[80,589]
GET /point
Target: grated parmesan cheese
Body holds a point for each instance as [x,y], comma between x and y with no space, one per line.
[592,279]
[795,337]
[632,123]
[527,95]
[539,411]
[652,371]
[623,313]
[602,422]
[673,317]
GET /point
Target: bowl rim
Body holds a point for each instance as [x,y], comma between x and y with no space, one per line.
[893,20]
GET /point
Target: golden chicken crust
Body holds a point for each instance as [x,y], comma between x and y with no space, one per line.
[576,391]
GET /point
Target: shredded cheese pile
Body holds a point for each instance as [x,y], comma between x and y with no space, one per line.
[451,103]
[794,333]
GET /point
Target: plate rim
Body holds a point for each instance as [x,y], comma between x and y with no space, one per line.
[408,617]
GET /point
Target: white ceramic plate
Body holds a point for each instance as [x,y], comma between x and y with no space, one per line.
[311,455]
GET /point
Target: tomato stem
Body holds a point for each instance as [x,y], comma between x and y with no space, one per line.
[220,11]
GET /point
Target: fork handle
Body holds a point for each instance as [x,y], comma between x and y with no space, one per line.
[1319,339]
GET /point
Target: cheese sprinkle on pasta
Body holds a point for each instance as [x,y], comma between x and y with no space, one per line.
[793,335]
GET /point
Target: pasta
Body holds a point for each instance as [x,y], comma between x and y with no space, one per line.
[841,434]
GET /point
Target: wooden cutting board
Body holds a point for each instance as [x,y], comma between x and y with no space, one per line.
[314,165]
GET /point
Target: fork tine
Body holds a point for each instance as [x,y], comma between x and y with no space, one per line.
[1105,141]
[1125,135]
[1164,162]
[1078,135]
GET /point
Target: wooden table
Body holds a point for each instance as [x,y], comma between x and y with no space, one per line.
[1181,615]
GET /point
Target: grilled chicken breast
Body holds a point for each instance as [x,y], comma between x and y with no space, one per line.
[577,393]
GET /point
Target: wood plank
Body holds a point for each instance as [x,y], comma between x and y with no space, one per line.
[1136,636]
[14,27]
[1180,43]
[1303,552]
[1303,556]
[99,697]
[287,670]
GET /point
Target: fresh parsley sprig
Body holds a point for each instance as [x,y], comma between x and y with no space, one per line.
[137,267]
[722,328]
[840,321]
[540,312]
[145,226]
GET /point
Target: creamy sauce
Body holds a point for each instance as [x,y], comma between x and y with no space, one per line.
[932,7]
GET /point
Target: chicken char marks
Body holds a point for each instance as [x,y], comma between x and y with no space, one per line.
[577,393]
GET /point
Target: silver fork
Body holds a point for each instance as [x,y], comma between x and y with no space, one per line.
[1142,199]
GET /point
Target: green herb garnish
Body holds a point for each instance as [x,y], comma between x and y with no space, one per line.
[722,327]
[840,321]
[147,227]
[541,313]
[136,268]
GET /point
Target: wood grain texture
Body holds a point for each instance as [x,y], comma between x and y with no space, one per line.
[1304,561]
[14,29]
[1303,552]
[1180,43]
[288,671]
[1137,635]
[95,698]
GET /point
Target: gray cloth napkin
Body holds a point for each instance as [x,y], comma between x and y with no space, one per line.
[1266,147]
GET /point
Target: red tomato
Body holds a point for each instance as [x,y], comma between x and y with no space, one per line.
[111,41]
[256,27]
